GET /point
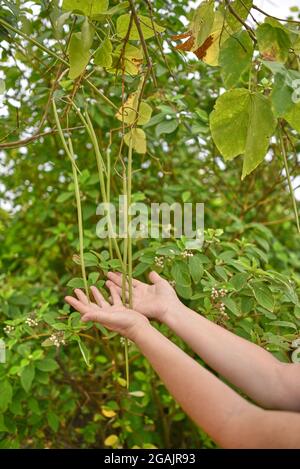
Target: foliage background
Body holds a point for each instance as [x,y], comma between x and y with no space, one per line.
[49,397]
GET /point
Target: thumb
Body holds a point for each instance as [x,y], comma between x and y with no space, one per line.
[154,277]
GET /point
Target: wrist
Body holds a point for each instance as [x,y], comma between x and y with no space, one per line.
[139,330]
[173,313]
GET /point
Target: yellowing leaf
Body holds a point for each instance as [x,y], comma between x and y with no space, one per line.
[103,55]
[79,57]
[146,26]
[209,50]
[111,440]
[218,36]
[109,413]
[199,28]
[273,42]
[132,60]
[128,113]
[138,138]
[122,382]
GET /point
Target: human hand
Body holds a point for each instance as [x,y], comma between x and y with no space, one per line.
[115,317]
[154,301]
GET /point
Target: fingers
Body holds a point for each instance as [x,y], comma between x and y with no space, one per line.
[116,277]
[99,297]
[154,277]
[78,305]
[81,296]
[115,293]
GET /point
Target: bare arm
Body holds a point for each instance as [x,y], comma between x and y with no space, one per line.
[270,383]
[261,376]
[228,418]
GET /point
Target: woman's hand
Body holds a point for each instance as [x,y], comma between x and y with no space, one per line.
[154,301]
[115,317]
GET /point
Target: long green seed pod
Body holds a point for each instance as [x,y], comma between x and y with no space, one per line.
[70,153]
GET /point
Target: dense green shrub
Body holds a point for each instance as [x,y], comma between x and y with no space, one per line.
[63,384]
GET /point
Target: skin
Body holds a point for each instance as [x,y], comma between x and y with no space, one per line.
[229,419]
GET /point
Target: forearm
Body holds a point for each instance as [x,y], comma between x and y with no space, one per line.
[231,421]
[244,364]
[213,405]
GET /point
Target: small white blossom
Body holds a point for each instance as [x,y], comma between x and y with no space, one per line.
[159,261]
[8,329]
[57,339]
[31,322]
[185,254]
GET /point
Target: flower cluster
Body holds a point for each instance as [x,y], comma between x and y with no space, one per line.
[159,261]
[8,329]
[31,322]
[215,294]
[186,254]
[57,339]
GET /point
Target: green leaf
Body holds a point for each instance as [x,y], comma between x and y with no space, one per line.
[140,269]
[196,269]
[87,34]
[93,277]
[242,124]
[263,296]
[166,127]
[53,421]
[33,405]
[48,364]
[184,291]
[148,28]
[293,117]
[84,352]
[283,324]
[79,56]
[236,58]
[273,42]
[6,393]
[27,376]
[138,138]
[180,273]
[231,305]
[76,283]
[103,55]
[221,272]
[87,7]
[281,96]
[113,10]
[239,281]
[63,197]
